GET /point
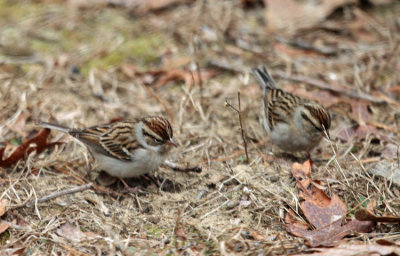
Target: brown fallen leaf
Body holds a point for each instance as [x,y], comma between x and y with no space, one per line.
[359,111]
[326,214]
[302,173]
[74,234]
[387,242]
[291,15]
[366,215]
[35,142]
[253,235]
[360,132]
[3,227]
[391,151]
[3,206]
[355,249]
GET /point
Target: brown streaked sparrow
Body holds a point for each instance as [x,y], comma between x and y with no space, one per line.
[125,149]
[293,124]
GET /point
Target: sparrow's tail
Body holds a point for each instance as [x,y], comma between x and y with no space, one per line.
[56,127]
[264,77]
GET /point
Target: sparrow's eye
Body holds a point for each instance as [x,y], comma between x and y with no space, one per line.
[158,140]
[305,117]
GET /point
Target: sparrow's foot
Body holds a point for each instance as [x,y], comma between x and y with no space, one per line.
[152,179]
[105,179]
[129,189]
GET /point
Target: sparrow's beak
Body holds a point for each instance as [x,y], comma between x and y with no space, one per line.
[327,134]
[171,142]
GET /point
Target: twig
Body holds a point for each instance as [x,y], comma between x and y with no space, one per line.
[299,43]
[155,96]
[60,193]
[179,168]
[322,85]
[225,65]
[239,111]
[200,82]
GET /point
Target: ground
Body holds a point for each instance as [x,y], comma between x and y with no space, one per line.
[80,64]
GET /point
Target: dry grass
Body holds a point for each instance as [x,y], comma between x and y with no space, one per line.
[212,212]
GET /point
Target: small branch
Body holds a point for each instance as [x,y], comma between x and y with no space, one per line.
[162,102]
[60,193]
[179,168]
[239,112]
[299,43]
[200,82]
[324,86]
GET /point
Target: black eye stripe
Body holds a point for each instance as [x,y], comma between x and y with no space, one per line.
[305,117]
[151,136]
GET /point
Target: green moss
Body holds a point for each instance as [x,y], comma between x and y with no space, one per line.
[142,50]
[155,231]
[13,10]
[4,237]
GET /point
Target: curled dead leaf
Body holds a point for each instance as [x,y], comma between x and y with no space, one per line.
[366,215]
[326,214]
[73,233]
[34,142]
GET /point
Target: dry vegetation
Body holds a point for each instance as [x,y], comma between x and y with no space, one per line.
[82,65]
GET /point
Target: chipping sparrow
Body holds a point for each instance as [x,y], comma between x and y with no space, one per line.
[125,149]
[293,124]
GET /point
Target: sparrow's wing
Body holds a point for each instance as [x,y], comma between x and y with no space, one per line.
[114,139]
[279,106]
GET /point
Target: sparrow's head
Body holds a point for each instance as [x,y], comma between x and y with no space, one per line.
[315,120]
[157,131]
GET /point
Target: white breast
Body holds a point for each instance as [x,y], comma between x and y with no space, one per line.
[289,138]
[143,161]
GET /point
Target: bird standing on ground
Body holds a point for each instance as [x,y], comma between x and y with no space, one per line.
[292,123]
[125,149]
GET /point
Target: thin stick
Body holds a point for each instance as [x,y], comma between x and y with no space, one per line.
[162,102]
[239,111]
[200,82]
[322,85]
[60,193]
[179,168]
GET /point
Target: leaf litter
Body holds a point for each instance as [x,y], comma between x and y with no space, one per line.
[327,215]
[183,60]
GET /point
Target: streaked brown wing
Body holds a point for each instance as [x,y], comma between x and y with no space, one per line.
[279,105]
[120,140]
[114,139]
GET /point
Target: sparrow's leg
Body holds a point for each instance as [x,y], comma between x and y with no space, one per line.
[309,158]
[153,179]
[128,188]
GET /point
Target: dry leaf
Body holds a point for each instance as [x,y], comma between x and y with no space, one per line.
[324,213]
[3,227]
[391,151]
[361,132]
[359,111]
[355,250]
[35,142]
[71,232]
[3,206]
[302,173]
[364,214]
[292,15]
[253,235]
